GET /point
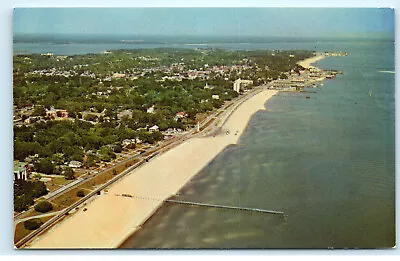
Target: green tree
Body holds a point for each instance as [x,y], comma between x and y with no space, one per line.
[91,117]
[77,155]
[37,176]
[72,114]
[22,202]
[106,153]
[24,149]
[32,224]
[39,111]
[80,193]
[43,206]
[157,136]
[90,161]
[117,148]
[69,173]
[57,158]
[45,166]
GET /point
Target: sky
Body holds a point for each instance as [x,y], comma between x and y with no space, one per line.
[309,22]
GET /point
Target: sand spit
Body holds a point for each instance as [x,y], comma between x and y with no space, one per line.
[111,218]
[307,62]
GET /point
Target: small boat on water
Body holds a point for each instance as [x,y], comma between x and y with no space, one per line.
[307,97]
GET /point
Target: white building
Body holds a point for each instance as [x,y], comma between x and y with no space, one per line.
[151,109]
[154,128]
[127,142]
[20,171]
[239,83]
[207,87]
[215,97]
[74,164]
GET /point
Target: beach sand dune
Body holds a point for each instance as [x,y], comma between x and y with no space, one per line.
[111,218]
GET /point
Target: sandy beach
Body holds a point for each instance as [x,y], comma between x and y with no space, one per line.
[307,62]
[111,218]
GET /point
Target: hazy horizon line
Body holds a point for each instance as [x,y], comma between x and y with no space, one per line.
[117,36]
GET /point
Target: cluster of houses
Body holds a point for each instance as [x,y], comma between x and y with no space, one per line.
[172,132]
[127,142]
[202,73]
[56,113]
[174,72]
[24,115]
[53,113]
[336,54]
[57,72]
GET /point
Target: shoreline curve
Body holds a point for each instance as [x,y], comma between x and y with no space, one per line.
[111,218]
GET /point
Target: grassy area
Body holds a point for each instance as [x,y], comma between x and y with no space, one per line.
[98,180]
[79,172]
[207,124]
[67,198]
[56,183]
[216,116]
[229,105]
[60,181]
[70,197]
[21,232]
[107,175]
[35,213]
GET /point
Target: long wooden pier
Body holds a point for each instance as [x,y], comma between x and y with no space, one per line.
[226,207]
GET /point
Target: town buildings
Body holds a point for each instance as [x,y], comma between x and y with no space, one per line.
[20,170]
[239,83]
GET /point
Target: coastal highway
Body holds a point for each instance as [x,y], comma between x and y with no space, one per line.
[72,185]
[64,189]
[208,126]
[215,121]
[65,212]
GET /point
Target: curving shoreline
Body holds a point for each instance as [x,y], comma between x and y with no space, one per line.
[306,63]
[111,218]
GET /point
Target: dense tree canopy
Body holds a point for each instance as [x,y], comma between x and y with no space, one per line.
[32,224]
[26,191]
[43,206]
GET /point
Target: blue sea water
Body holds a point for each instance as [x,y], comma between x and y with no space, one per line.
[327,162]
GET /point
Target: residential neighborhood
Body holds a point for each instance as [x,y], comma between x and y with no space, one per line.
[75,114]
